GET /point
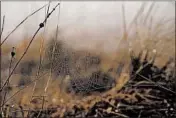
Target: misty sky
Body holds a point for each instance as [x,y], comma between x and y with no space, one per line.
[86,16]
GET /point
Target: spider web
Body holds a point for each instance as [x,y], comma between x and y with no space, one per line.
[83,71]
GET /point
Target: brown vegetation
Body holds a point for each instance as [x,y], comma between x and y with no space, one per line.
[56,80]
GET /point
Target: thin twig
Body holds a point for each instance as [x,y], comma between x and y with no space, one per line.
[28,46]
[39,77]
[140,11]
[48,10]
[41,48]
[157,84]
[118,114]
[0,54]
[41,52]
[124,22]
[8,85]
[53,51]
[1,110]
[149,12]
[43,101]
[22,23]
[3,23]
[139,116]
[51,67]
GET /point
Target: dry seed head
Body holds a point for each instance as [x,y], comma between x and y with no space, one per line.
[41,25]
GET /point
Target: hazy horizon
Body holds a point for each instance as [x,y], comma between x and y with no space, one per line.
[86,19]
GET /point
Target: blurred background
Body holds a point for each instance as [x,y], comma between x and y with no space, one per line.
[90,53]
[86,20]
